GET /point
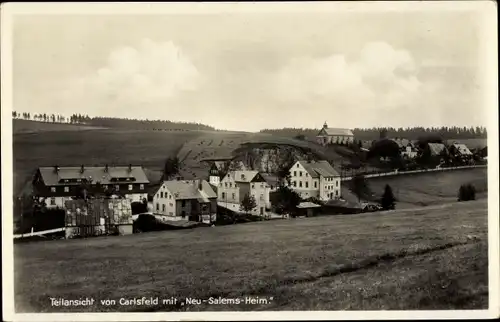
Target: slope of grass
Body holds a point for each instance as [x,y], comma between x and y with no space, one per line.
[414,259]
[424,189]
[148,148]
[26,126]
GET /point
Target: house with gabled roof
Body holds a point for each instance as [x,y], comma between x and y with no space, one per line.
[329,135]
[55,185]
[193,200]
[237,184]
[317,179]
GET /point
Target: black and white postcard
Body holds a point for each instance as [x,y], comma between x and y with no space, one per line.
[249,161]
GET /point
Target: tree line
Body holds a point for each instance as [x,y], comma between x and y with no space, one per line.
[113,122]
[410,133]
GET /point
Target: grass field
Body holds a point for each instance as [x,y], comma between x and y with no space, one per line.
[426,258]
[423,189]
[147,148]
[25,126]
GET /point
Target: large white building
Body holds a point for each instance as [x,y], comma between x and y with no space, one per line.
[316,179]
[328,135]
[235,185]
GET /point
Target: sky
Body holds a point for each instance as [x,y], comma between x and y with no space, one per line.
[255,70]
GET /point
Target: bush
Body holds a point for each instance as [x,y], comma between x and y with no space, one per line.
[467,192]
[388,201]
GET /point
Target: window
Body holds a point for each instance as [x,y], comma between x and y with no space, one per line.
[337,183]
[106,187]
[307,174]
[307,184]
[53,189]
[336,192]
[130,187]
[300,173]
[183,203]
[223,195]
[171,205]
[297,165]
[163,207]
[261,196]
[234,196]
[253,186]
[295,173]
[295,183]
[169,196]
[141,186]
[52,201]
[225,184]
[171,213]
[161,194]
[66,189]
[117,188]
[262,185]
[315,184]
[183,214]
[300,184]
[157,206]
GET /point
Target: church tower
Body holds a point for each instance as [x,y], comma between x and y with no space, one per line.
[325,126]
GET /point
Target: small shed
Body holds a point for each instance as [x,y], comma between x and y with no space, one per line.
[308,208]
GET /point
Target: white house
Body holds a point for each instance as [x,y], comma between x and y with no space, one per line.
[237,184]
[316,179]
[193,200]
[334,135]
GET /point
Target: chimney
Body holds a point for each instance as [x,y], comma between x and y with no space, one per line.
[82,169]
[56,169]
[106,168]
[200,185]
[129,168]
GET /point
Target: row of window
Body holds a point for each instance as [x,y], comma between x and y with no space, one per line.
[306,184]
[233,196]
[117,187]
[230,185]
[300,173]
[166,194]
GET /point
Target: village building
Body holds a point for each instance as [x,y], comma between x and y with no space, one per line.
[189,200]
[407,148]
[461,151]
[316,179]
[56,185]
[218,167]
[334,135]
[237,184]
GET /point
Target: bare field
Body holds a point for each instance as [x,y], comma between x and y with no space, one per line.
[26,126]
[426,258]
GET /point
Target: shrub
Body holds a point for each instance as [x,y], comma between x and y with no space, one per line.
[388,200]
[466,192]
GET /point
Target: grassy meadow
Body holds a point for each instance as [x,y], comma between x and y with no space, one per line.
[424,258]
[424,189]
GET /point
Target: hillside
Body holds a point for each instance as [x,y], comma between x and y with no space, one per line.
[221,144]
[25,126]
[426,258]
[425,189]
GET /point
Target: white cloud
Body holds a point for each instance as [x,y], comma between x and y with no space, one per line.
[149,75]
[379,78]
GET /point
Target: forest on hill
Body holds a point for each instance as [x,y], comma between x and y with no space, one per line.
[113,122]
[411,133]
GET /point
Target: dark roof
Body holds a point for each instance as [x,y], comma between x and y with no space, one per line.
[51,177]
[271,179]
[189,189]
[336,131]
[317,168]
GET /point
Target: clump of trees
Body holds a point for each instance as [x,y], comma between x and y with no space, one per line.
[171,168]
[285,201]
[388,201]
[248,204]
[466,192]
[360,186]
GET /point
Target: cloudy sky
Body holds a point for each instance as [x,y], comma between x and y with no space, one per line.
[248,71]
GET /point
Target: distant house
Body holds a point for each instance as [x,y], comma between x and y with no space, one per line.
[219,168]
[272,185]
[334,135]
[461,151]
[407,148]
[237,184]
[55,185]
[316,179]
[193,200]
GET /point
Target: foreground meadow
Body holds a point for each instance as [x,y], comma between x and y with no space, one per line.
[425,258]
